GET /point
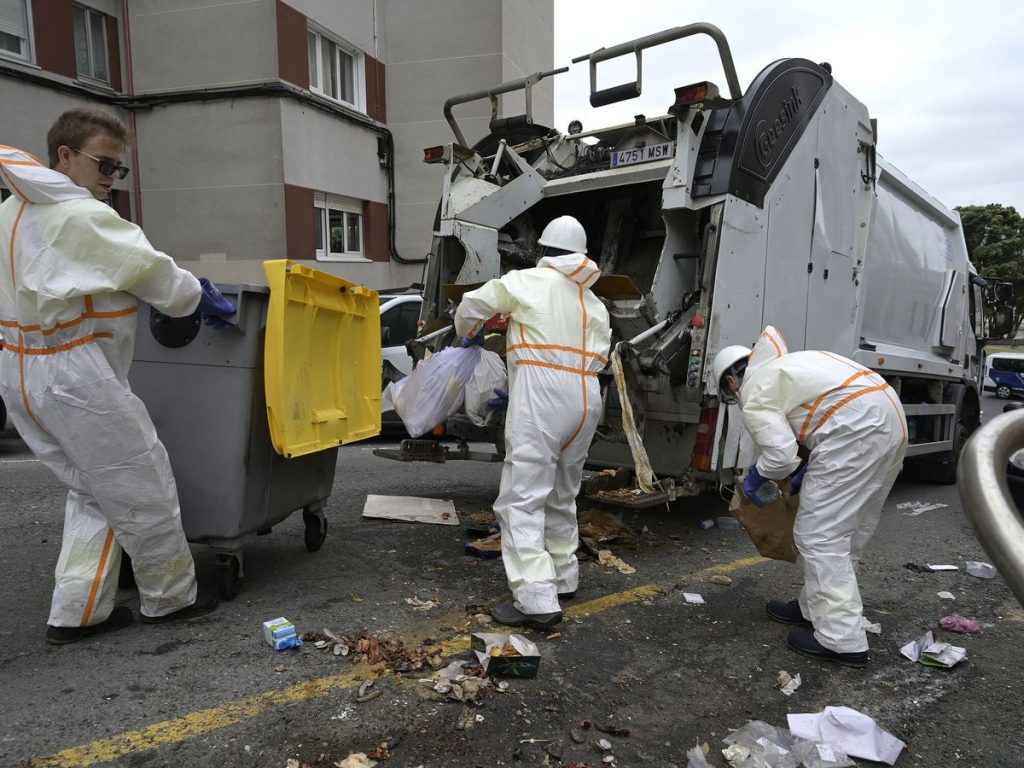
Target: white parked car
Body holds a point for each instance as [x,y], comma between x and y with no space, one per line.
[399,314]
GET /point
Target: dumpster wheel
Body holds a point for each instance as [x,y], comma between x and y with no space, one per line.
[316,529]
[229,578]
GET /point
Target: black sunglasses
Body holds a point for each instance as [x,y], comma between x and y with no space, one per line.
[107,167]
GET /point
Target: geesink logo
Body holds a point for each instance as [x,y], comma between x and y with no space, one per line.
[769,134]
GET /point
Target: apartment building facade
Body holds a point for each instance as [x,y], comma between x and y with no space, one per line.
[267,129]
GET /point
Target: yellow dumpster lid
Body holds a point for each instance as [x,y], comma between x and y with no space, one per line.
[322,359]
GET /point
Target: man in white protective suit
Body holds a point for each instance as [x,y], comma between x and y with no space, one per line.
[557,341]
[71,274]
[852,423]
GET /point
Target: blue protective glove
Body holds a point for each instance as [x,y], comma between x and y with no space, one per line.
[471,341]
[214,308]
[499,403]
[752,484]
[797,480]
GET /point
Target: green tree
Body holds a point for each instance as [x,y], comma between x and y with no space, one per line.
[995,243]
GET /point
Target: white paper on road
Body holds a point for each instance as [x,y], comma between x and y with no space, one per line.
[915,508]
[931,567]
[693,598]
[852,731]
[946,595]
[930,653]
[411,509]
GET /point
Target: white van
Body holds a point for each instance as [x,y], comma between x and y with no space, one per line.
[1004,374]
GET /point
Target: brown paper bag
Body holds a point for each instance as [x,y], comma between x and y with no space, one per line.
[770,527]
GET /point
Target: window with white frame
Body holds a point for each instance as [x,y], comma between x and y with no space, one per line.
[335,69]
[339,228]
[14,28]
[90,43]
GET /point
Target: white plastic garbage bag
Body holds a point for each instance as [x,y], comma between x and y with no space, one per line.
[433,391]
[489,374]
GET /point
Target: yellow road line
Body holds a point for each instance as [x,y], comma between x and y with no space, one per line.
[235,712]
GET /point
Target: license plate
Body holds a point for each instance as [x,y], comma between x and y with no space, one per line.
[641,154]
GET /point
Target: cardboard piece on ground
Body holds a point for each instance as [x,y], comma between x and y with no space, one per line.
[411,509]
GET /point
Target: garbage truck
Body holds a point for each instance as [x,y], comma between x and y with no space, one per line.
[732,211]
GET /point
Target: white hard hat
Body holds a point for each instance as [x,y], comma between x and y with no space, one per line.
[565,233]
[726,359]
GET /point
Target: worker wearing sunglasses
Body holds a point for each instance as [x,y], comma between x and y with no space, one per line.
[95,164]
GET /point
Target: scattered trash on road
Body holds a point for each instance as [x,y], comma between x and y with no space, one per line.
[728,523]
[604,745]
[705,525]
[488,547]
[874,629]
[764,745]
[374,650]
[611,730]
[851,731]
[697,757]
[367,692]
[356,760]
[787,684]
[507,655]
[959,624]
[915,508]
[605,557]
[980,570]
[280,634]
[411,509]
[601,526]
[718,578]
[927,651]
[693,598]
[420,605]
[931,567]
[916,567]
[946,595]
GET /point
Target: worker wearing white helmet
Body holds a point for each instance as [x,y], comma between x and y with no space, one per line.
[557,341]
[853,425]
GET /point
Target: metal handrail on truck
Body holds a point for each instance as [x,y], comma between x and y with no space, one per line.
[986,495]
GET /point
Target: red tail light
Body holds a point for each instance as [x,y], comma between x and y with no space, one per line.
[704,446]
[433,154]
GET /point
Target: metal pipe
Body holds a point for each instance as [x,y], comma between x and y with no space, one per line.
[986,495]
[489,93]
[431,336]
[666,36]
[648,333]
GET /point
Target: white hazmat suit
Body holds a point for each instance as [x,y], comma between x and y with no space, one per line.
[852,423]
[71,271]
[558,339]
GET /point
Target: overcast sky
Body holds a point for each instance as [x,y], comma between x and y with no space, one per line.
[945,80]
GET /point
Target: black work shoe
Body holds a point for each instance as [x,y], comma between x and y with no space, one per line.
[787,613]
[567,595]
[120,617]
[805,643]
[510,616]
[203,605]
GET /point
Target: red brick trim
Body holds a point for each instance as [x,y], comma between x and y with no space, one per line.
[300,222]
[376,98]
[292,46]
[376,243]
[54,37]
[114,53]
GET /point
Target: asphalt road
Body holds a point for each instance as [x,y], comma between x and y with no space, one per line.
[631,653]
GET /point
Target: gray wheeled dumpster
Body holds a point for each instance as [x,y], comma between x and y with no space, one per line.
[205,390]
